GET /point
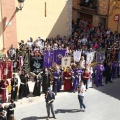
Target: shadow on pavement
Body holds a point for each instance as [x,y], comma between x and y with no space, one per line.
[111,89]
[66,111]
[34,118]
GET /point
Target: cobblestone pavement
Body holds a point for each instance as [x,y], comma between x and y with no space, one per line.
[103,103]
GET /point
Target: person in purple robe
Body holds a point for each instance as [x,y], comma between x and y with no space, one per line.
[76,79]
[99,68]
[57,79]
[114,69]
[102,68]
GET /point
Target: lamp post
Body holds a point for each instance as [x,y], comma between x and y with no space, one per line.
[20,5]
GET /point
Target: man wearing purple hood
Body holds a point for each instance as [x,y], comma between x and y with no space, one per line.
[76,79]
[99,68]
[114,69]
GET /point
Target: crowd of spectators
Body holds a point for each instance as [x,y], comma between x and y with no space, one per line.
[84,37]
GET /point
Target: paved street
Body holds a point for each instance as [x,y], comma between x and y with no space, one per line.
[103,103]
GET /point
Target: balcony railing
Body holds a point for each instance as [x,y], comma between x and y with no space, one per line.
[88,10]
[89,3]
[89,6]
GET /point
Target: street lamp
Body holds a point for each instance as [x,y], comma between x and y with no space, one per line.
[21,5]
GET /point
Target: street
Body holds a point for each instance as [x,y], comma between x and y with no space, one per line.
[103,103]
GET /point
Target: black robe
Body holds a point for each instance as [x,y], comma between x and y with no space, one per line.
[14,88]
[46,81]
[24,88]
[108,73]
[37,86]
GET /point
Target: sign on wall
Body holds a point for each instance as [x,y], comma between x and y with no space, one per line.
[116,17]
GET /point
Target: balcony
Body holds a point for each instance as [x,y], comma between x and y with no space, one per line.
[89,6]
[88,10]
[95,7]
[99,7]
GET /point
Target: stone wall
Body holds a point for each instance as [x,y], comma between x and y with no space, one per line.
[103,7]
[76,4]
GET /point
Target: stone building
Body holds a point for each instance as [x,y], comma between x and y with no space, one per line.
[98,11]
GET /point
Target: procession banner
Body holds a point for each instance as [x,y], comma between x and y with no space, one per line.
[48,59]
[90,57]
[77,56]
[66,62]
[6,69]
[36,64]
[58,54]
[100,57]
[24,62]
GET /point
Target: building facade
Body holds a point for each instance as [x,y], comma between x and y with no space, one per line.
[98,11]
[42,18]
[38,18]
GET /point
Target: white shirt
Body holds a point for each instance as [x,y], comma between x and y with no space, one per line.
[81,88]
[84,41]
[38,43]
[108,32]
[29,44]
[82,64]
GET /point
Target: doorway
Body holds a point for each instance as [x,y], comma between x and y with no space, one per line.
[102,21]
[86,17]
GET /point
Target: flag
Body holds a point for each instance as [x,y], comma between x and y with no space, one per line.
[66,62]
[58,54]
[24,62]
[90,57]
[77,56]
[36,64]
[6,69]
[100,57]
[48,59]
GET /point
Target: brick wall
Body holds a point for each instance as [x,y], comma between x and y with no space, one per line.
[9,23]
